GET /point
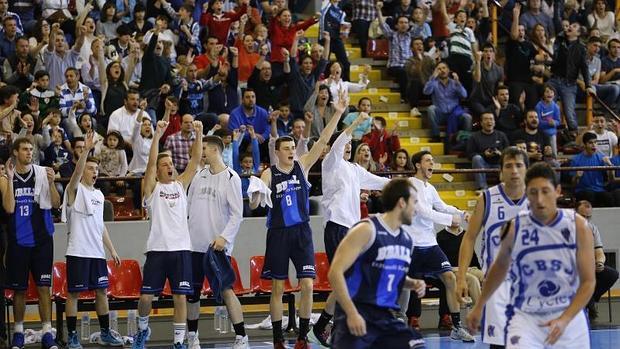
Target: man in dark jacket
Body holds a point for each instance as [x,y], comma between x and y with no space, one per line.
[485,147]
[156,72]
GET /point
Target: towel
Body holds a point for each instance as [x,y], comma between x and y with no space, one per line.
[257,185]
[80,203]
[219,272]
[41,188]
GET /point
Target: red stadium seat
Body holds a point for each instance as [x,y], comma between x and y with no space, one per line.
[167,291]
[59,283]
[206,288]
[321,283]
[238,285]
[378,49]
[125,280]
[258,285]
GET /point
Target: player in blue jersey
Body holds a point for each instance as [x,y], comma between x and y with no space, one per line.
[288,232]
[31,194]
[496,206]
[550,254]
[368,273]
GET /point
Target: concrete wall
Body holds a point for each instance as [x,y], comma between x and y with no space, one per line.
[130,238]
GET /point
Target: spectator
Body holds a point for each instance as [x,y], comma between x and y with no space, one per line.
[56,154]
[606,141]
[208,61]
[193,92]
[40,139]
[21,8]
[156,72]
[485,147]
[142,138]
[8,37]
[487,75]
[609,93]
[339,86]
[248,55]
[606,276]
[217,22]
[122,40]
[172,116]
[364,12]
[77,144]
[180,143]
[461,48]
[419,27]
[114,81]
[531,133]
[82,126]
[113,162]
[248,113]
[224,92]
[534,15]
[38,97]
[364,105]
[446,94]
[590,185]
[400,162]
[52,122]
[509,116]
[246,164]
[283,34]
[419,69]
[123,119]
[268,87]
[518,72]
[441,13]
[320,106]
[382,143]
[602,19]
[331,21]
[284,121]
[227,153]
[8,108]
[185,27]
[165,36]
[109,22]
[140,25]
[19,67]
[74,92]
[370,201]
[400,49]
[56,57]
[549,116]
[610,65]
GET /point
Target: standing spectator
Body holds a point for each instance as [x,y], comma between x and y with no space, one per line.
[180,143]
[419,68]
[485,148]
[518,68]
[109,22]
[139,24]
[534,15]
[8,37]
[400,49]
[419,27]
[590,185]
[248,55]
[284,122]
[218,22]
[156,73]
[74,92]
[531,133]
[602,19]
[40,138]
[19,67]
[193,94]
[172,116]
[142,138]
[185,28]
[446,93]
[332,18]
[509,116]
[364,12]
[224,92]
[56,57]
[124,118]
[166,36]
[549,116]
[608,93]
[461,47]
[114,80]
[78,145]
[487,77]
[38,97]
[610,64]
[606,141]
[283,34]
[320,106]
[23,11]
[122,40]
[248,113]
[382,142]
[268,87]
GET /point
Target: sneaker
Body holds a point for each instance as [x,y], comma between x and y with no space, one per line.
[279,345]
[414,322]
[179,346]
[445,323]
[414,112]
[140,338]
[18,341]
[459,333]
[241,342]
[193,340]
[48,342]
[73,340]
[302,344]
[320,338]
[108,339]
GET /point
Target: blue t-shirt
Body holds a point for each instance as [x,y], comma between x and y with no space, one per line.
[591,180]
[361,129]
[546,112]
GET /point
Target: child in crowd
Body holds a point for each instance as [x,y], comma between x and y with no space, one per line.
[549,116]
[113,161]
[246,164]
[56,153]
[285,119]
[53,120]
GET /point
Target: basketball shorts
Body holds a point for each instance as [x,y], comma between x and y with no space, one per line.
[333,234]
[428,261]
[494,318]
[175,266]
[21,261]
[294,243]
[525,332]
[86,274]
[198,276]
[383,330]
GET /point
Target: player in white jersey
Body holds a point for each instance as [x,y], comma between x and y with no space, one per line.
[168,246]
[215,214]
[550,254]
[496,206]
[86,262]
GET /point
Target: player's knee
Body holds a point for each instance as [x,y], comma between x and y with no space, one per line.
[306,284]
[101,292]
[277,287]
[73,295]
[449,279]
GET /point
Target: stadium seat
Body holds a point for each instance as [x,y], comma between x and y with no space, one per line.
[321,282]
[378,49]
[125,280]
[59,284]
[167,291]
[238,287]
[258,285]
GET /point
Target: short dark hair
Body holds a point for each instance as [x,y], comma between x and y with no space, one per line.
[7,92]
[41,73]
[588,136]
[77,139]
[187,7]
[19,141]
[617,41]
[394,190]
[488,45]
[594,39]
[283,139]
[381,119]
[359,103]
[132,91]
[417,158]
[582,203]
[541,170]
[123,29]
[513,153]
[8,18]
[501,87]
[249,89]
[139,7]
[223,132]
[214,140]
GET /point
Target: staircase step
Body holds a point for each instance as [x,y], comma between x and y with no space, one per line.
[446,186]
[373,75]
[462,203]
[435,148]
[353,52]
[403,123]
[391,107]
[376,96]
[458,179]
[370,61]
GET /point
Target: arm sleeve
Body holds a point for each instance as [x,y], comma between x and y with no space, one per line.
[426,210]
[441,206]
[123,169]
[235,202]
[272,151]
[429,87]
[336,153]
[235,156]
[371,181]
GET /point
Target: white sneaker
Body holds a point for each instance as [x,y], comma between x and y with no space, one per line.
[193,340]
[241,342]
[460,333]
[414,112]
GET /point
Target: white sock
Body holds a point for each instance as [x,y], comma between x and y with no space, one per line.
[191,334]
[143,322]
[179,332]
[47,327]
[18,327]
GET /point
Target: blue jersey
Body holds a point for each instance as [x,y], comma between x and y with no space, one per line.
[289,195]
[377,276]
[30,225]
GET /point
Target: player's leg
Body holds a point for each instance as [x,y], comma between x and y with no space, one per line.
[473,286]
[302,256]
[153,280]
[236,317]
[396,334]
[77,280]
[179,273]
[193,301]
[99,282]
[524,331]
[41,261]
[275,309]
[17,261]
[342,338]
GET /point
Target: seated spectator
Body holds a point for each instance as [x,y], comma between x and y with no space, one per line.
[608,93]
[446,93]
[139,24]
[52,122]
[509,116]
[246,163]
[123,119]
[382,143]
[66,169]
[610,64]
[248,113]
[73,92]
[38,97]
[364,105]
[529,134]
[320,106]
[109,22]
[401,162]
[549,116]
[8,108]
[486,78]
[602,19]
[419,27]
[519,76]
[419,69]
[224,92]
[268,87]
[113,162]
[606,141]
[180,144]
[485,147]
[461,47]
[5,13]
[590,185]
[606,276]
[19,67]
[534,15]
[285,119]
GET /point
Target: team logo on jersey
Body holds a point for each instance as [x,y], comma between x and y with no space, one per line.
[491,331]
[547,288]
[184,284]
[394,252]
[514,340]
[566,234]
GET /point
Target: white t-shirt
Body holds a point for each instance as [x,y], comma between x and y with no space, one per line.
[606,143]
[123,121]
[167,206]
[85,238]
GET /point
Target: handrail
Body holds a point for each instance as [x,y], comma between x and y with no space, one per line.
[605,106]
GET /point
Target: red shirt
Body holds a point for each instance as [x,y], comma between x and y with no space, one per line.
[283,37]
[219,25]
[439,28]
[173,127]
[247,61]
[381,142]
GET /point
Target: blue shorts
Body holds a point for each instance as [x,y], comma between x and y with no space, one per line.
[383,330]
[428,261]
[292,242]
[176,266]
[334,233]
[86,274]
[21,261]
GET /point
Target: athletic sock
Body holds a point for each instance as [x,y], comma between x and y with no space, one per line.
[104,322]
[456,319]
[71,323]
[239,329]
[277,331]
[47,327]
[192,325]
[143,323]
[322,322]
[304,325]
[179,332]
[18,327]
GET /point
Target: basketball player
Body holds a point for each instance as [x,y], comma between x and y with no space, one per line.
[86,263]
[369,272]
[428,258]
[28,197]
[288,231]
[496,206]
[550,254]
[168,247]
[342,182]
[215,214]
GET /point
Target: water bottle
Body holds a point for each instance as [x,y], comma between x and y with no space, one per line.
[224,324]
[85,326]
[217,319]
[131,322]
[114,320]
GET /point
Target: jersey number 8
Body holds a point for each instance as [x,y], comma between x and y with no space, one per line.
[289,201]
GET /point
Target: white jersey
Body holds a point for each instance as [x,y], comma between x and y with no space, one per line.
[544,263]
[498,210]
[167,207]
[85,224]
[215,208]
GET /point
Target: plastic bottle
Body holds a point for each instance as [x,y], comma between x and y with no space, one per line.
[131,322]
[217,319]
[224,323]
[85,326]
[114,320]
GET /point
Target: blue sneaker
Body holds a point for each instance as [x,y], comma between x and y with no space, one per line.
[139,340]
[108,339]
[179,346]
[48,342]
[18,341]
[73,340]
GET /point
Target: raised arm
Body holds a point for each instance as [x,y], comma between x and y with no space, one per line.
[190,170]
[466,251]
[150,174]
[76,177]
[514,28]
[6,188]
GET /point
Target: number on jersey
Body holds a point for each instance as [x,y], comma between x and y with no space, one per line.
[24,211]
[500,213]
[529,237]
[289,201]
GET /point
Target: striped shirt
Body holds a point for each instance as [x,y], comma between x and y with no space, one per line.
[461,40]
[400,46]
[179,147]
[68,98]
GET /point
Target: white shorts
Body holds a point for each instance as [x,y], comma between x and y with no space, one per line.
[494,315]
[525,332]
